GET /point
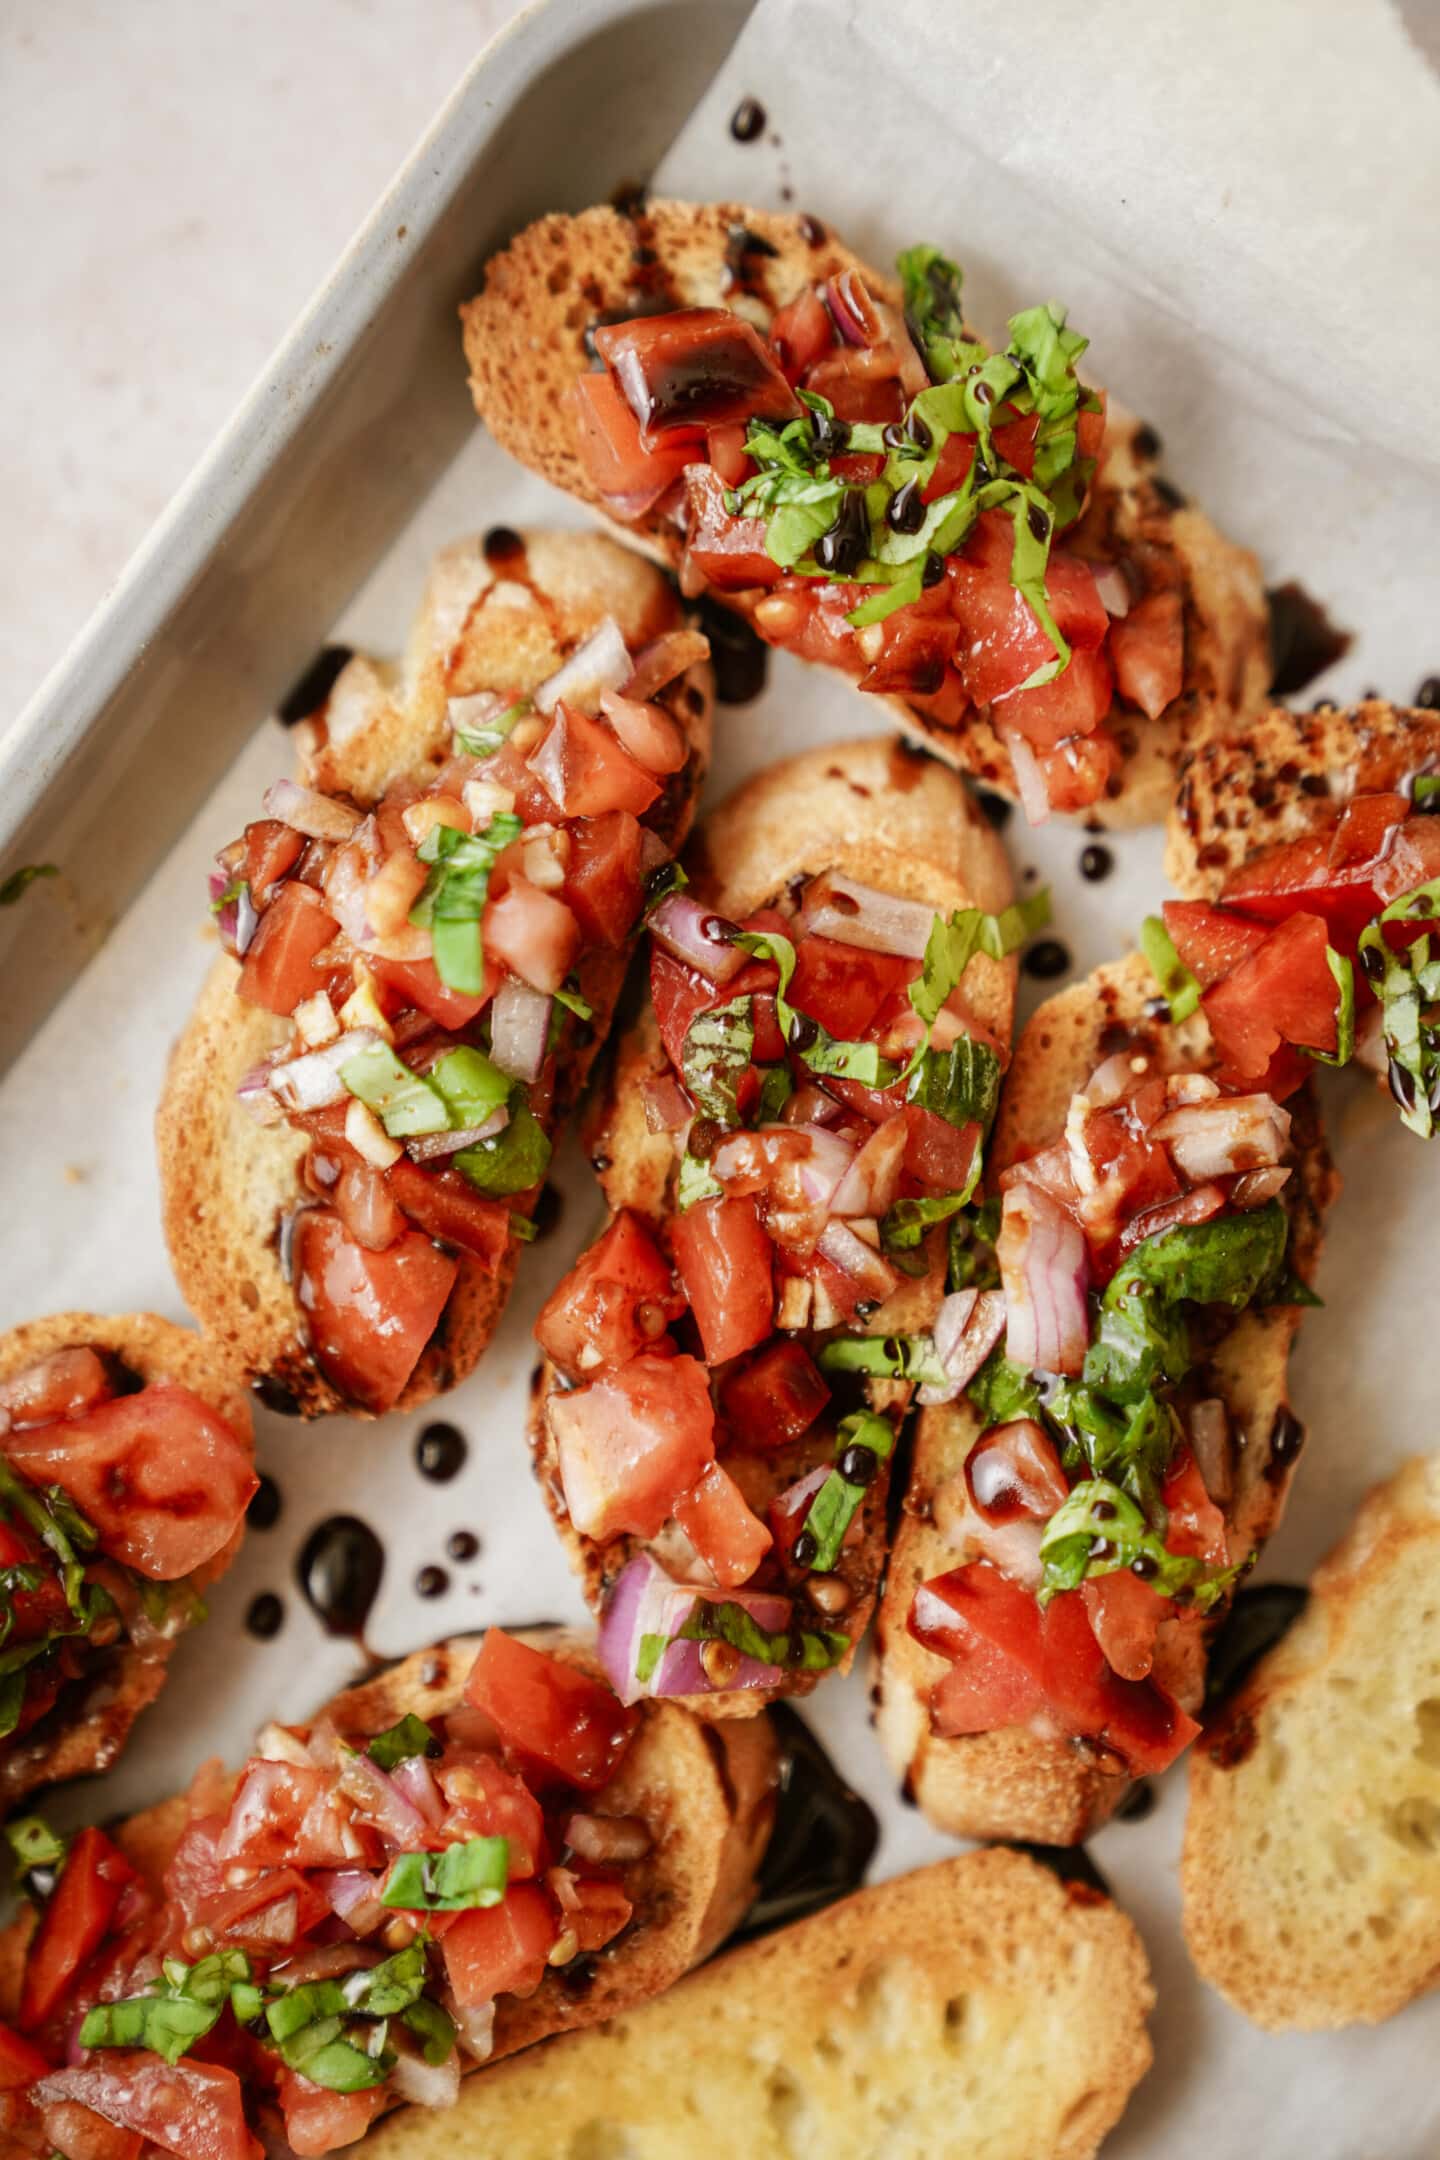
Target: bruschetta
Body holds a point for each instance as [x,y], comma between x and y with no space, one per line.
[1077,1516]
[1308,851]
[785,1137]
[426,934]
[831,451]
[977,2006]
[478,1849]
[126,1466]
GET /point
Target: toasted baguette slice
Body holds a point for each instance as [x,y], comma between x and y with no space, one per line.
[1014,1783]
[707,1799]
[525,343]
[1311,1865]
[979,2006]
[227,1181]
[1246,792]
[906,825]
[90,1723]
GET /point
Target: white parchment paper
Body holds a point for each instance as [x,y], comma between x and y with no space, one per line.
[1238,203]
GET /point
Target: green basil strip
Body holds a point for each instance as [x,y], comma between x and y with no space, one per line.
[455,893]
[404,1101]
[1178,987]
[1406,984]
[696,1182]
[800,1650]
[513,1161]
[484,742]
[835,1506]
[181,2007]
[652,1649]
[906,1223]
[433,2027]
[35,1844]
[715,1056]
[470,1086]
[1344,973]
[458,1879]
[1100,1530]
[399,1743]
[897,1357]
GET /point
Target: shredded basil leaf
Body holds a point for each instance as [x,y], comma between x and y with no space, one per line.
[433,2027]
[1344,973]
[455,1880]
[906,1222]
[1406,984]
[899,1357]
[35,1844]
[471,1087]
[835,1505]
[454,898]
[715,1057]
[696,1182]
[411,1737]
[1002,1392]
[513,1161]
[572,1002]
[1100,1530]
[404,1101]
[484,742]
[801,1650]
[1178,987]
[652,1649]
[180,2007]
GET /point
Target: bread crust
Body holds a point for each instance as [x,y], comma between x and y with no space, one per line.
[226,1181]
[979,2005]
[89,1725]
[1014,1783]
[1240,794]
[1309,1874]
[525,344]
[877,813]
[707,1798]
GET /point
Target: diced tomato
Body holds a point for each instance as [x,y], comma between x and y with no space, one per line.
[603,886]
[487,1800]
[630,1443]
[725,450]
[1013,1471]
[844,986]
[775,1398]
[160,1474]
[1136,1718]
[1073,704]
[597,1911]
[1413,859]
[284,1814]
[1015,441]
[195,2109]
[957,455]
[279,1908]
[1362,835]
[445,1205]
[1080,771]
[60,1386]
[725,1264]
[417,983]
[271,851]
[693,368]
[320,2121]
[859,468]
[588,770]
[1210,940]
[616,1300]
[1147,650]
[20,2061]
[1002,643]
[938,1154]
[78,2133]
[370,1314]
[278,971]
[1090,428]
[607,436]
[502,1950]
[1196,1526]
[916,653]
[1124,1614]
[678,993]
[862,384]
[728,552]
[1284,992]
[1301,874]
[549,1715]
[73,1924]
[730,1539]
[800,332]
[533,933]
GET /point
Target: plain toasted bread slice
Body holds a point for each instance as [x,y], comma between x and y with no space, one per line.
[1311,1866]
[979,2006]
[1014,1783]
[707,1799]
[526,341]
[876,812]
[89,1725]
[1255,790]
[228,1182]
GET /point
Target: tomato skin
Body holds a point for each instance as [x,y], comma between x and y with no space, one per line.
[1284,992]
[1147,648]
[800,332]
[195,2109]
[608,440]
[533,932]
[730,1539]
[487,1800]
[417,983]
[552,1719]
[446,1205]
[233,1916]
[630,1443]
[915,655]
[615,1302]
[271,850]
[1001,640]
[600,1911]
[603,886]
[1079,772]
[1073,704]
[938,1154]
[370,1314]
[1413,859]
[278,971]
[280,1817]
[502,1950]
[20,2061]
[1124,1614]
[78,2133]
[320,2121]
[1196,1526]
[728,552]
[1210,940]
[161,1476]
[843,986]
[693,368]
[588,771]
[957,455]
[73,1924]
[776,1397]
[725,1262]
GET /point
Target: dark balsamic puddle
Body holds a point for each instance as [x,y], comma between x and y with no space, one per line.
[440,1452]
[1047,959]
[740,658]
[1303,639]
[1259,1616]
[266,1504]
[824,1837]
[309,693]
[265,1616]
[340,1569]
[747,122]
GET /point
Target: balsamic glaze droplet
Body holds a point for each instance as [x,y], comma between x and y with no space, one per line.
[1287,1437]
[811,231]
[440,1452]
[339,1570]
[1303,640]
[1096,862]
[275,1395]
[309,693]
[1046,959]
[462,1545]
[431,1582]
[265,1504]
[747,122]
[502,544]
[741,660]
[265,1616]
[824,1835]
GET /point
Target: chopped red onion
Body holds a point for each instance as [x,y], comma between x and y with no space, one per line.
[312,1081]
[665,657]
[852,310]
[1112,588]
[601,663]
[683,928]
[1044,1271]
[354,1896]
[306,810]
[1255,1187]
[477,712]
[873,1178]
[652,738]
[1209,1427]
[1029,779]
[967,1328]
[475,2024]
[801,1164]
[519,1028]
[864,1266]
[1110,1081]
[379,1800]
[837,907]
[647,1601]
[431,1147]
[1229,1133]
[423,2084]
[667,1106]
